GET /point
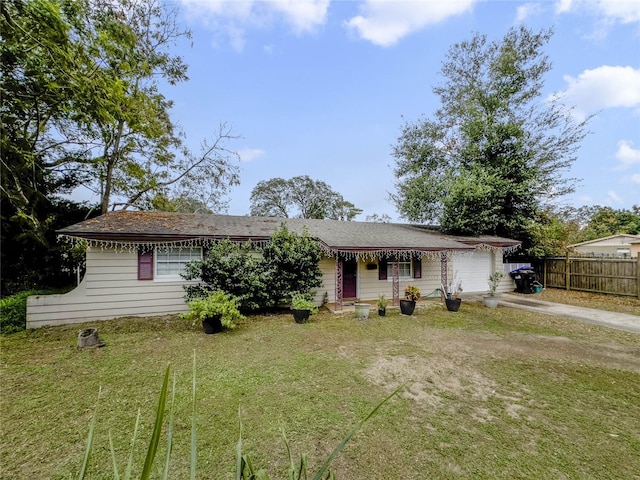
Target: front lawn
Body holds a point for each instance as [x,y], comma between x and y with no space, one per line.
[489,394]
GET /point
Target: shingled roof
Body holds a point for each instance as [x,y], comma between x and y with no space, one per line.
[133,227]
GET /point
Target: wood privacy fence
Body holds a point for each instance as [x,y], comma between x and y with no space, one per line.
[601,275]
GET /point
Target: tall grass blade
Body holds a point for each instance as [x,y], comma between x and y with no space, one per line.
[192,475]
[89,447]
[127,473]
[239,459]
[116,474]
[157,429]
[167,460]
[319,474]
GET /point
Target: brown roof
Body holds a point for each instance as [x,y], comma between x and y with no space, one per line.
[134,226]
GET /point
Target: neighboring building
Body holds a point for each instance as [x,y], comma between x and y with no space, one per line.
[612,246]
[134,260]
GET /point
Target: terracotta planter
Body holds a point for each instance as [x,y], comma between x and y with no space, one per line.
[407,307]
[212,324]
[453,304]
[301,316]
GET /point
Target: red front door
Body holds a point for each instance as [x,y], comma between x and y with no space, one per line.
[349,270]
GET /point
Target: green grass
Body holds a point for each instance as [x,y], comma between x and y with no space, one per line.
[490,394]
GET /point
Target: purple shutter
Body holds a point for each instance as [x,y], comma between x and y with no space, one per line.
[417,268]
[145,265]
[382,269]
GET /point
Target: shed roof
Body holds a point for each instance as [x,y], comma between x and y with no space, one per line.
[336,236]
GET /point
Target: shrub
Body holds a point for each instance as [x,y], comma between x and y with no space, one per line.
[289,264]
[232,268]
[13,310]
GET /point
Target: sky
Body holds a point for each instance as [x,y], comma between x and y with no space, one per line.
[323,87]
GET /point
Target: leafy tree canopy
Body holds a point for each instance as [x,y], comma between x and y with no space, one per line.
[560,227]
[495,151]
[300,197]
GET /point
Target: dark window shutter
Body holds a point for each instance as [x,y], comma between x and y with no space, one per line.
[145,265]
[382,269]
[417,268]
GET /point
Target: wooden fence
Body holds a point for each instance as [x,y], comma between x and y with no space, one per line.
[601,275]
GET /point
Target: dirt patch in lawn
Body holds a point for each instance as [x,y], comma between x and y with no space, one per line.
[458,372]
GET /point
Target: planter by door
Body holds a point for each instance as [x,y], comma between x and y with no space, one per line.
[490,302]
[212,324]
[453,304]
[301,316]
[407,307]
[362,310]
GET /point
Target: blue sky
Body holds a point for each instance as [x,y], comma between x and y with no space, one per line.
[322,88]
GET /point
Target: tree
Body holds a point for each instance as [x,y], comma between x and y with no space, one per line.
[494,152]
[81,88]
[606,221]
[300,197]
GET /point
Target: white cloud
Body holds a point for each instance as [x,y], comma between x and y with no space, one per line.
[385,22]
[233,17]
[612,11]
[601,88]
[250,154]
[614,198]
[527,10]
[627,155]
[635,178]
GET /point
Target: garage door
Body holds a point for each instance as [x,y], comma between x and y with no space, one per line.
[473,271]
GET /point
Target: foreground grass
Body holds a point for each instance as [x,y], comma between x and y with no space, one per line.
[490,394]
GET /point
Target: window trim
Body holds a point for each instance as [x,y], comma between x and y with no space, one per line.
[158,251]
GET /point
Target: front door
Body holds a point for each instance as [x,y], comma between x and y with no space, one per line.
[349,271]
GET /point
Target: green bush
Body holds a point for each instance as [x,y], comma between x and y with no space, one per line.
[260,279]
[13,310]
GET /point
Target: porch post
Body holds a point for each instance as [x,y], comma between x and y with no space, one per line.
[444,271]
[396,284]
[338,283]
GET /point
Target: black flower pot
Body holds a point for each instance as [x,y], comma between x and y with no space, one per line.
[212,324]
[407,307]
[301,316]
[453,304]
[382,312]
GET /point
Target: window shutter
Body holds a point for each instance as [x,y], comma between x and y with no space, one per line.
[382,269]
[145,265]
[417,268]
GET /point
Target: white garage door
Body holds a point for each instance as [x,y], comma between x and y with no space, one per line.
[473,271]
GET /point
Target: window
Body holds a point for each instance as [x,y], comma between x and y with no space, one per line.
[404,270]
[407,270]
[170,262]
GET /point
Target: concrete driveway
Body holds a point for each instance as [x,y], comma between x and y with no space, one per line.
[621,321]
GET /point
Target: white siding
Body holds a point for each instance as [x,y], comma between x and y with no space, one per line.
[110,289]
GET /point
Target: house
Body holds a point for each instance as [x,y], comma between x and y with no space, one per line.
[622,245]
[134,260]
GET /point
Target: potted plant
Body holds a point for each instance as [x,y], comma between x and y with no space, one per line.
[491,299]
[451,298]
[218,310]
[302,307]
[411,296]
[382,305]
